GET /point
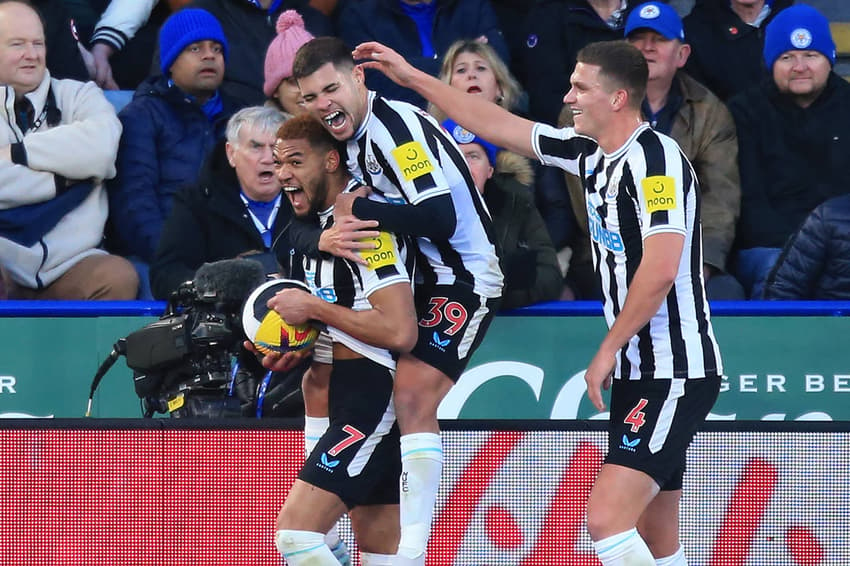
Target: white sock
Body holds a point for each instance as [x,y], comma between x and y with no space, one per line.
[421,466]
[369,559]
[624,549]
[304,548]
[314,428]
[676,559]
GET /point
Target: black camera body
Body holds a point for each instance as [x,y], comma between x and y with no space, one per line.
[190,349]
[193,341]
[191,363]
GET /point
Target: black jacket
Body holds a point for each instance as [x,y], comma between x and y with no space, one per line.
[555,31]
[815,263]
[209,222]
[791,159]
[63,56]
[529,262]
[726,54]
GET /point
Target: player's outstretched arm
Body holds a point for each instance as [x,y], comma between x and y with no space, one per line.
[390,323]
[488,120]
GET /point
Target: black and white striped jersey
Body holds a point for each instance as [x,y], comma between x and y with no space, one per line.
[349,284]
[406,156]
[645,187]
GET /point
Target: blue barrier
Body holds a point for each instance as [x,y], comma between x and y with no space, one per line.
[85,309]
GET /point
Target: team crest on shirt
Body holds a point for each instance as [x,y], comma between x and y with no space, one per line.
[659,193]
[372,165]
[412,160]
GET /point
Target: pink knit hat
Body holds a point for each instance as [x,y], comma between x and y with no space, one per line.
[281,53]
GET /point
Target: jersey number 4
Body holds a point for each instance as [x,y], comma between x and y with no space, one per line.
[440,308]
[636,417]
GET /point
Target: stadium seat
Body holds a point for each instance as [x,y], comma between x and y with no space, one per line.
[841,35]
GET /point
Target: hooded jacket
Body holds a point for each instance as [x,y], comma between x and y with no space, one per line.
[528,258]
[165,140]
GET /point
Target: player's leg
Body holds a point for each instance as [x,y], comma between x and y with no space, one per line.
[419,389]
[452,324]
[314,388]
[376,530]
[618,499]
[307,514]
[659,527]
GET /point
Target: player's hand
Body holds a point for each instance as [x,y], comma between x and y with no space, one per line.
[385,60]
[347,236]
[598,377]
[345,201]
[293,305]
[101,53]
[279,362]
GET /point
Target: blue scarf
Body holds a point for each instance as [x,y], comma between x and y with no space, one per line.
[274,5]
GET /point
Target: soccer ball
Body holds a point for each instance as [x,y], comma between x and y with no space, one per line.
[266,329]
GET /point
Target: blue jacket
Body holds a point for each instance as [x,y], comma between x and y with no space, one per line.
[815,263]
[384,21]
[165,140]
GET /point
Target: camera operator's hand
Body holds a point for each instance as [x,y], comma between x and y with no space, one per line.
[279,362]
[348,236]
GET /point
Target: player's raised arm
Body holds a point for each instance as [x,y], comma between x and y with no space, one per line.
[488,120]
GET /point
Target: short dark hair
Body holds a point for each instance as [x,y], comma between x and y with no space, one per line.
[622,64]
[306,127]
[318,52]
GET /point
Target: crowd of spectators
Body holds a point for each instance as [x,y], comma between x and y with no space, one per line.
[120,167]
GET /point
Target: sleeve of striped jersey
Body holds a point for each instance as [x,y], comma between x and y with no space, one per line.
[382,276]
[661,178]
[560,147]
[412,153]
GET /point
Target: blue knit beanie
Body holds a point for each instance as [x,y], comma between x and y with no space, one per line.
[462,136]
[798,27]
[183,28]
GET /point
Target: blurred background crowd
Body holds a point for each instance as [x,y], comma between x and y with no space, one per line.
[138,133]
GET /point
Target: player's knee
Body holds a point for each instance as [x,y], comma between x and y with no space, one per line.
[292,542]
[316,379]
[598,523]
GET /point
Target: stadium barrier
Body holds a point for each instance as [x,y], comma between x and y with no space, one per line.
[783,361]
[170,492]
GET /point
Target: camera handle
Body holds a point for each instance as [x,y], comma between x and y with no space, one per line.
[118,349]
